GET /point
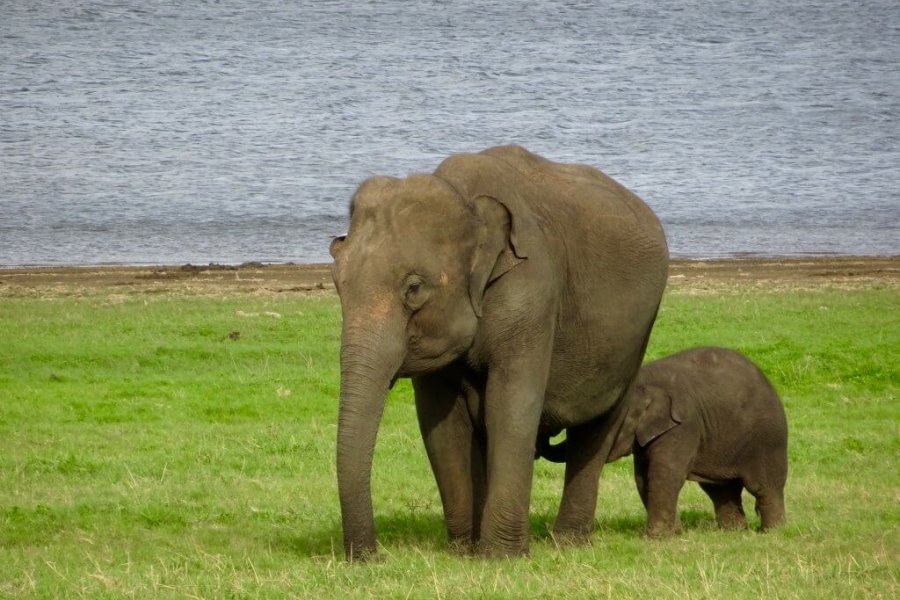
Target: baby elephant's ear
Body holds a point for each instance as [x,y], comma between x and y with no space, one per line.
[658,418]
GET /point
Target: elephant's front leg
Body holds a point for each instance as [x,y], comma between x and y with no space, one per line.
[514,397]
[665,470]
[455,453]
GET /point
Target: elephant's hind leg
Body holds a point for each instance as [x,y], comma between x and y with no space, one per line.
[726,498]
[575,520]
[766,483]
[455,453]
[770,506]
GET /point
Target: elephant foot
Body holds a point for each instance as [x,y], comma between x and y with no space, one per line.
[771,514]
[732,522]
[661,531]
[497,550]
[578,535]
[571,538]
[772,522]
[504,535]
[369,556]
[461,546]
[730,516]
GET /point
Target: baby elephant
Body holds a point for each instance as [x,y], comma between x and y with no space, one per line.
[711,416]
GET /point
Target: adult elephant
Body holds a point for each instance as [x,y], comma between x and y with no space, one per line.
[518,294]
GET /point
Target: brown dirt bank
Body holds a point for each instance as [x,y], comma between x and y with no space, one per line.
[685,276]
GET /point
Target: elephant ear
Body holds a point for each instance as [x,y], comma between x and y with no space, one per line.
[337,243]
[508,232]
[660,416]
[496,252]
[637,401]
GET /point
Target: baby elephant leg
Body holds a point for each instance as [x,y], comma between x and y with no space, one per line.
[767,486]
[726,499]
[770,506]
[659,478]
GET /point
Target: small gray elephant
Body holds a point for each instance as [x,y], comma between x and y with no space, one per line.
[708,415]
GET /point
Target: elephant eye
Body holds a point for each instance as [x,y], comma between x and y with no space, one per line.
[415,293]
[412,290]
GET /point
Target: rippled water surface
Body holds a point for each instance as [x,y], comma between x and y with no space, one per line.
[230,131]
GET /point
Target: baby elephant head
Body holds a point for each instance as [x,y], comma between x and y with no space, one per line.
[651,411]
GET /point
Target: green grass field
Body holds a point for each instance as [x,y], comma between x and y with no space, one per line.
[177,446]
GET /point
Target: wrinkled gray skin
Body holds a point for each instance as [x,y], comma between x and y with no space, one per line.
[707,415]
[518,294]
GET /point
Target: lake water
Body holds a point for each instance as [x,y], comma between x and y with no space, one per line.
[231,131]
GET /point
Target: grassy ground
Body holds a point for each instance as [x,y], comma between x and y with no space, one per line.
[183,446]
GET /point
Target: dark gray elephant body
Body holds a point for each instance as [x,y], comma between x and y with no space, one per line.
[707,415]
[519,295]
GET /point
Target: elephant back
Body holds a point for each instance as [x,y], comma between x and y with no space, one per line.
[577,205]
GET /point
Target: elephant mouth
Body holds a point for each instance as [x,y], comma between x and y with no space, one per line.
[421,365]
[422,358]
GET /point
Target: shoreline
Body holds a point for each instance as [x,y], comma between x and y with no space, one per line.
[680,258]
[694,275]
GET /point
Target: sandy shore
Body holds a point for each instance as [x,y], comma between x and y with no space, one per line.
[688,276]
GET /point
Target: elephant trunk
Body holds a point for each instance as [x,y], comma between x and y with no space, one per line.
[369,362]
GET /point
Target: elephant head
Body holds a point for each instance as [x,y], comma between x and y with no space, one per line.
[651,411]
[411,273]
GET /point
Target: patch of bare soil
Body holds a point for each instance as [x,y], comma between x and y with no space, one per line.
[185,280]
[685,276]
[744,274]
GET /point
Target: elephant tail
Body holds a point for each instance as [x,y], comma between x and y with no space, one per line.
[553,452]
